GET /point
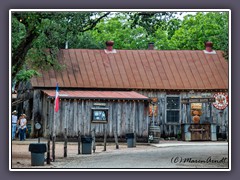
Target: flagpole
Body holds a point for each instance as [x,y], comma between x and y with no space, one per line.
[53,137]
[56,108]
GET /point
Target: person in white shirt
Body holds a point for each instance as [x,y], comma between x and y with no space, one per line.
[14,124]
[22,127]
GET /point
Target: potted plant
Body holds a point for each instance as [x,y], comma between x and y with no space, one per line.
[179,136]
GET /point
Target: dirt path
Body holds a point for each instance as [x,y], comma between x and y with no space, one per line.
[21,156]
[142,156]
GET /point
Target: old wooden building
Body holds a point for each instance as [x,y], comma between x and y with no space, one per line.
[126,86]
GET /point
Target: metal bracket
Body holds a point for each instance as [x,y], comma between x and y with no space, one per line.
[197,130]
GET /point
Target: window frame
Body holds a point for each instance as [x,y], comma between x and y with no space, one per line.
[166,110]
[99,109]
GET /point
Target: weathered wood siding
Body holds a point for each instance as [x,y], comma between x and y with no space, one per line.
[37,111]
[127,116]
[210,113]
[75,115]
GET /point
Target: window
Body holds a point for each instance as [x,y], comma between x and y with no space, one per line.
[99,115]
[173,109]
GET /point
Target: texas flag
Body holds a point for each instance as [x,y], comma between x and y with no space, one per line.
[56,106]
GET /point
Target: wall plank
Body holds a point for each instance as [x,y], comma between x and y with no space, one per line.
[75,118]
[119,117]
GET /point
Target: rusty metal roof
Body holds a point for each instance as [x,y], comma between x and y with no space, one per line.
[127,95]
[137,69]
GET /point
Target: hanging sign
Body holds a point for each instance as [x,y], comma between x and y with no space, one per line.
[221,100]
[99,104]
[196,105]
[197,100]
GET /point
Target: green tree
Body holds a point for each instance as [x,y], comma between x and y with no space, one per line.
[119,30]
[38,36]
[35,32]
[202,27]
[127,34]
[150,21]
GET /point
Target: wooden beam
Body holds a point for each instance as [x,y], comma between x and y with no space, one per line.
[116,139]
[65,143]
[79,142]
[48,150]
[105,137]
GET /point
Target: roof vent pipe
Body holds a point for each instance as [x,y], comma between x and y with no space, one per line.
[109,45]
[208,46]
[151,46]
[66,45]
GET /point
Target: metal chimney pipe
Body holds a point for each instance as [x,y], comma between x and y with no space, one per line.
[151,46]
[109,45]
[208,46]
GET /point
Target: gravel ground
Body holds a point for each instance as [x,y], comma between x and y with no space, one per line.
[141,156]
[21,157]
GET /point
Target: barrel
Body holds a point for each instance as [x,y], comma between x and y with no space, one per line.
[154,134]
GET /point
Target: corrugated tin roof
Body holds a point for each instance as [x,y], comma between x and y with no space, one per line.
[128,95]
[138,69]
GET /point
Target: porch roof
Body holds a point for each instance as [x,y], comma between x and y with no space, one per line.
[70,94]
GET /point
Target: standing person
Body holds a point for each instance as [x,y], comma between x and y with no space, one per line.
[14,124]
[23,127]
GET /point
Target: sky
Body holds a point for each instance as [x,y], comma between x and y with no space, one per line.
[186,13]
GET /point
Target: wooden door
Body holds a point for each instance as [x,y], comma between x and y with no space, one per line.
[200,132]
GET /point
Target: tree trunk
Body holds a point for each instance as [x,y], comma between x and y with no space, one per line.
[18,57]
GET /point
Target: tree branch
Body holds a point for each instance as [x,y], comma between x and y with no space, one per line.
[18,57]
[93,24]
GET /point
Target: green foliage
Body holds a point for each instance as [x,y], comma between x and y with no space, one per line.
[38,36]
[25,75]
[86,41]
[202,27]
[179,135]
[150,21]
[119,30]
[128,35]
[130,31]
[18,33]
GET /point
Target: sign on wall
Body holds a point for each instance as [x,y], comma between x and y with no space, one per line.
[153,108]
[196,105]
[99,115]
[197,100]
[221,100]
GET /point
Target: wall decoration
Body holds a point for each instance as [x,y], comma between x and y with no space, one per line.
[221,100]
[196,105]
[99,115]
[153,107]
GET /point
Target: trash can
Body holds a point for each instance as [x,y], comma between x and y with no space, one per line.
[130,139]
[37,153]
[86,144]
